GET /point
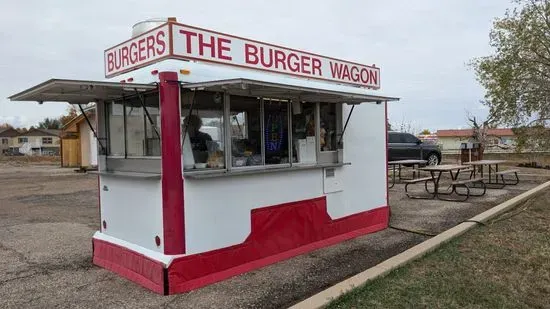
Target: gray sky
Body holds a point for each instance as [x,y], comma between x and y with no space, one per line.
[421,46]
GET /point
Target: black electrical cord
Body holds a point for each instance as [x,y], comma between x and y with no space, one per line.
[412,231]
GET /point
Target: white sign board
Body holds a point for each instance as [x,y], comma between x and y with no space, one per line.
[185,42]
[138,52]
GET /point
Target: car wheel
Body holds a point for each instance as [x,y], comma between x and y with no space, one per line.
[433,159]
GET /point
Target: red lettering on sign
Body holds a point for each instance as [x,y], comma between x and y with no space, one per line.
[250,54]
[364,76]
[133,53]
[373,76]
[355,73]
[110,63]
[117,63]
[124,56]
[316,67]
[150,46]
[306,62]
[141,47]
[160,42]
[188,35]
[293,66]
[280,59]
[345,72]
[222,48]
[263,57]
[336,70]
[203,44]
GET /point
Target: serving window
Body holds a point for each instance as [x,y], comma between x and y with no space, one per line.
[202,129]
[260,131]
[132,130]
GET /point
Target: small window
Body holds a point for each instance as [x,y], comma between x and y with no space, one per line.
[393,138]
[303,133]
[276,131]
[328,133]
[23,140]
[47,140]
[202,130]
[115,118]
[409,139]
[132,129]
[4,141]
[246,131]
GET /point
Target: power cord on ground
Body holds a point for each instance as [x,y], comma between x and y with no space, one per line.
[412,231]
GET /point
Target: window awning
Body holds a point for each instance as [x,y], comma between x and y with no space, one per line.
[79,91]
[248,87]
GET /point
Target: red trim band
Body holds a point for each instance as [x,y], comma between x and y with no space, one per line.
[278,233]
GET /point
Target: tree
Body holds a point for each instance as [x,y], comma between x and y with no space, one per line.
[6,126]
[71,114]
[49,123]
[517,76]
[479,130]
[425,132]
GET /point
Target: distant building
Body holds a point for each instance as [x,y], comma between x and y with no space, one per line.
[7,139]
[37,142]
[497,139]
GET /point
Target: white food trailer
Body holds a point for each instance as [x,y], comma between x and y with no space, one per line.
[218,155]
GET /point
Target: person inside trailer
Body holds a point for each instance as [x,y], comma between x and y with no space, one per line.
[198,139]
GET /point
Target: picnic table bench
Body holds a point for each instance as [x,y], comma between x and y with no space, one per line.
[454,171]
[493,169]
[400,163]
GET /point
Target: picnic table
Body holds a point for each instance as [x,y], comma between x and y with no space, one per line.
[400,163]
[436,171]
[493,169]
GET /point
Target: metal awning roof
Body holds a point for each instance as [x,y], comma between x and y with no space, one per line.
[248,87]
[78,91]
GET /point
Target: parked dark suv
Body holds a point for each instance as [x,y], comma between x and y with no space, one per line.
[405,146]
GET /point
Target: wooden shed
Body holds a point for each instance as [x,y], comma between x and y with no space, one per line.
[78,143]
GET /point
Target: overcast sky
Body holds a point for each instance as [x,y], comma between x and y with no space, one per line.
[421,46]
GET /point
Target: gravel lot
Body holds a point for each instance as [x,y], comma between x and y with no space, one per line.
[48,215]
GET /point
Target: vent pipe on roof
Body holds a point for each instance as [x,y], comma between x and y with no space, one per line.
[148,24]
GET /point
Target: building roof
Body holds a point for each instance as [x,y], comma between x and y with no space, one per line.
[470,132]
[42,132]
[70,126]
[8,132]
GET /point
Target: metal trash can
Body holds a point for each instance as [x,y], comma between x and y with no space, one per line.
[470,152]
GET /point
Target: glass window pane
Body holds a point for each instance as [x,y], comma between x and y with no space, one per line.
[409,138]
[303,133]
[276,131]
[203,145]
[327,139]
[135,128]
[246,134]
[152,132]
[115,118]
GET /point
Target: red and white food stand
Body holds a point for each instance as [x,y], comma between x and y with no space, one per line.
[219,155]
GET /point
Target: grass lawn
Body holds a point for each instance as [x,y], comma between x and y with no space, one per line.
[505,264]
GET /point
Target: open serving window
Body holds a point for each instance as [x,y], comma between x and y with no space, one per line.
[128,118]
[227,126]
[242,125]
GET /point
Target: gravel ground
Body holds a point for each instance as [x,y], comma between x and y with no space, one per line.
[48,215]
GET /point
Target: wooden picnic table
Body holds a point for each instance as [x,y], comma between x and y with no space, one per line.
[479,165]
[454,171]
[400,163]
